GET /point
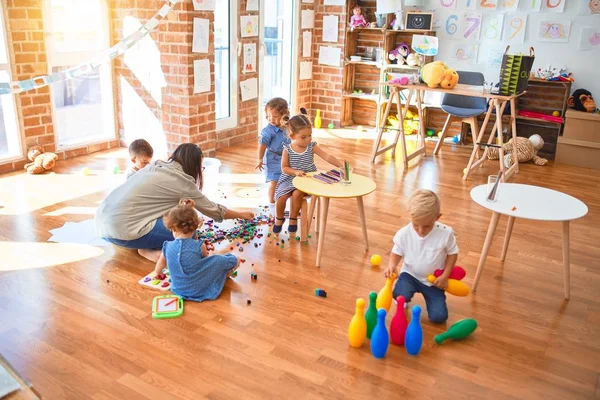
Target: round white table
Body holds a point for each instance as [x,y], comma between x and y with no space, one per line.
[361,186]
[528,202]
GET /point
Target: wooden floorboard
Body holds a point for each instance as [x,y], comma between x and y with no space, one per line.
[77,325]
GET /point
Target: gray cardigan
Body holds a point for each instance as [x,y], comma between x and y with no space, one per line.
[130,211]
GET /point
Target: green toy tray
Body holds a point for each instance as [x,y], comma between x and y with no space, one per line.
[168,306]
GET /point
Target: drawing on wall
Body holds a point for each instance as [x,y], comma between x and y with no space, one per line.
[330,28]
[201,76]
[200,36]
[471,25]
[531,5]
[493,59]
[204,5]
[305,70]
[308,19]
[589,7]
[249,25]
[590,39]
[249,58]
[554,31]
[252,5]
[557,6]
[492,26]
[462,52]
[508,5]
[487,4]
[515,27]
[249,89]
[425,45]
[306,44]
[471,4]
[448,3]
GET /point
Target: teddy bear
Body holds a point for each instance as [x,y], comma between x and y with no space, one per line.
[527,149]
[437,73]
[41,161]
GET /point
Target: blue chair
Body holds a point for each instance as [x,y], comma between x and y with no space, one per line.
[464,108]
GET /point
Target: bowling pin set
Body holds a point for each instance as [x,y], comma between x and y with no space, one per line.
[372,324]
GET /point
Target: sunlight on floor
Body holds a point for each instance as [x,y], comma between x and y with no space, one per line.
[72,210]
[28,255]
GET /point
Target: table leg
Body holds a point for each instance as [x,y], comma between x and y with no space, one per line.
[363,221]
[513,121]
[486,248]
[380,131]
[499,112]
[317,226]
[401,127]
[509,228]
[421,114]
[324,204]
[311,211]
[479,137]
[566,259]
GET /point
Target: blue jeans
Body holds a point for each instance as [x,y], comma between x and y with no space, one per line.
[152,240]
[435,298]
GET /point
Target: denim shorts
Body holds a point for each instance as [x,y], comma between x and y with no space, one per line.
[152,240]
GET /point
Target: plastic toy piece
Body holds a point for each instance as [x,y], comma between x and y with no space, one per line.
[165,284]
[371,315]
[169,306]
[253,276]
[457,273]
[357,331]
[147,279]
[380,339]
[155,282]
[320,293]
[414,333]
[457,288]
[458,330]
[234,274]
[399,323]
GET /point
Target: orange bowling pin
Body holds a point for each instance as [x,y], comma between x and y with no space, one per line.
[457,288]
[384,298]
[357,331]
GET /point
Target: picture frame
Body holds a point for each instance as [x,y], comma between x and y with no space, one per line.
[418,21]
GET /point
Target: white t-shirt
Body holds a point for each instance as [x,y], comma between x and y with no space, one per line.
[423,255]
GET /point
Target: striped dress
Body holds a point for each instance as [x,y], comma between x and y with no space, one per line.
[301,161]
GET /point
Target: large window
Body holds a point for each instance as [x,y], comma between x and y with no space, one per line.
[10,143]
[83,105]
[226,64]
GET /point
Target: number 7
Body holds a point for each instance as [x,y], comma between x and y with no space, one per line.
[476,22]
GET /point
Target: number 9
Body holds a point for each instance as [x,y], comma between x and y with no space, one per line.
[451,27]
[517,24]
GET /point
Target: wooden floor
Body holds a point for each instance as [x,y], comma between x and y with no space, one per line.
[74,321]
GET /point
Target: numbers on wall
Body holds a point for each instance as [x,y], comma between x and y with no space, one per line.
[452,24]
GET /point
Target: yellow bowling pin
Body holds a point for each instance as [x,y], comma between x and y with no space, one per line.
[384,298]
[357,331]
[455,287]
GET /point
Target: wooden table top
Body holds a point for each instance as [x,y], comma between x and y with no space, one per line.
[361,186]
[460,89]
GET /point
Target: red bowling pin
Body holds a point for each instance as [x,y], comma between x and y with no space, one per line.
[399,323]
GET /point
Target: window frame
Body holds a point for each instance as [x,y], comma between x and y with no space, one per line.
[231,121]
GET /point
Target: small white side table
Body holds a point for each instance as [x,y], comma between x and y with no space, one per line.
[528,202]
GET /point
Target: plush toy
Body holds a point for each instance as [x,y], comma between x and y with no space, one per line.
[582,100]
[527,149]
[399,54]
[357,18]
[437,74]
[415,60]
[41,161]
[398,22]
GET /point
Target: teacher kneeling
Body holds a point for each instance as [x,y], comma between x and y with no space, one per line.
[131,215]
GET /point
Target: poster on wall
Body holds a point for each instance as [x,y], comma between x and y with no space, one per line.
[425,45]
[249,89]
[492,58]
[204,5]
[201,76]
[514,28]
[487,5]
[252,5]
[308,19]
[305,70]
[330,56]
[508,5]
[557,6]
[451,27]
[471,25]
[249,58]
[554,31]
[589,8]
[492,26]
[308,1]
[249,25]
[306,44]
[448,4]
[200,36]
[531,5]
[335,2]
[465,52]
[330,28]
[388,6]
[590,39]
[470,4]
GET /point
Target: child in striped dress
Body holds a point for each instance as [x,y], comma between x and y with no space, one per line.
[194,274]
[297,160]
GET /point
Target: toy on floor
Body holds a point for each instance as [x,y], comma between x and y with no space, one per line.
[582,100]
[160,282]
[168,306]
[527,149]
[376,259]
[399,323]
[457,273]
[437,73]
[458,330]
[357,331]
[380,339]
[40,161]
[320,293]
[371,315]
[384,298]
[457,288]
[414,333]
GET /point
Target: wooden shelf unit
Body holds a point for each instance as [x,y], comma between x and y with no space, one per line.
[361,109]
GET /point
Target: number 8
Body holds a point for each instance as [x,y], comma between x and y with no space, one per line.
[493,26]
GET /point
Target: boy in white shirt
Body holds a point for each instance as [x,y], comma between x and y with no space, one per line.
[424,245]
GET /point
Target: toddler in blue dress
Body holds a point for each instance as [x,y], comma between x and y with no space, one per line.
[194,274]
[272,139]
[297,159]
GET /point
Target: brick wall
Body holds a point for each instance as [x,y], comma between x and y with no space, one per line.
[247,126]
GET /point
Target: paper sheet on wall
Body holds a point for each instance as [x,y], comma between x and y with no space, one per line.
[249,25]
[335,2]
[487,5]
[515,26]
[492,26]
[531,5]
[308,1]
[249,89]
[588,8]
[330,28]
[554,31]
[252,5]
[508,5]
[492,58]
[448,4]
[425,45]
[306,70]
[330,56]
[204,5]
[200,37]
[306,44]
[465,52]
[556,6]
[471,25]
[471,4]
[308,19]
[249,58]
[590,39]
[388,6]
[201,76]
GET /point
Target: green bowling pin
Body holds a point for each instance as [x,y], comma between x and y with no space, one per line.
[458,330]
[371,315]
